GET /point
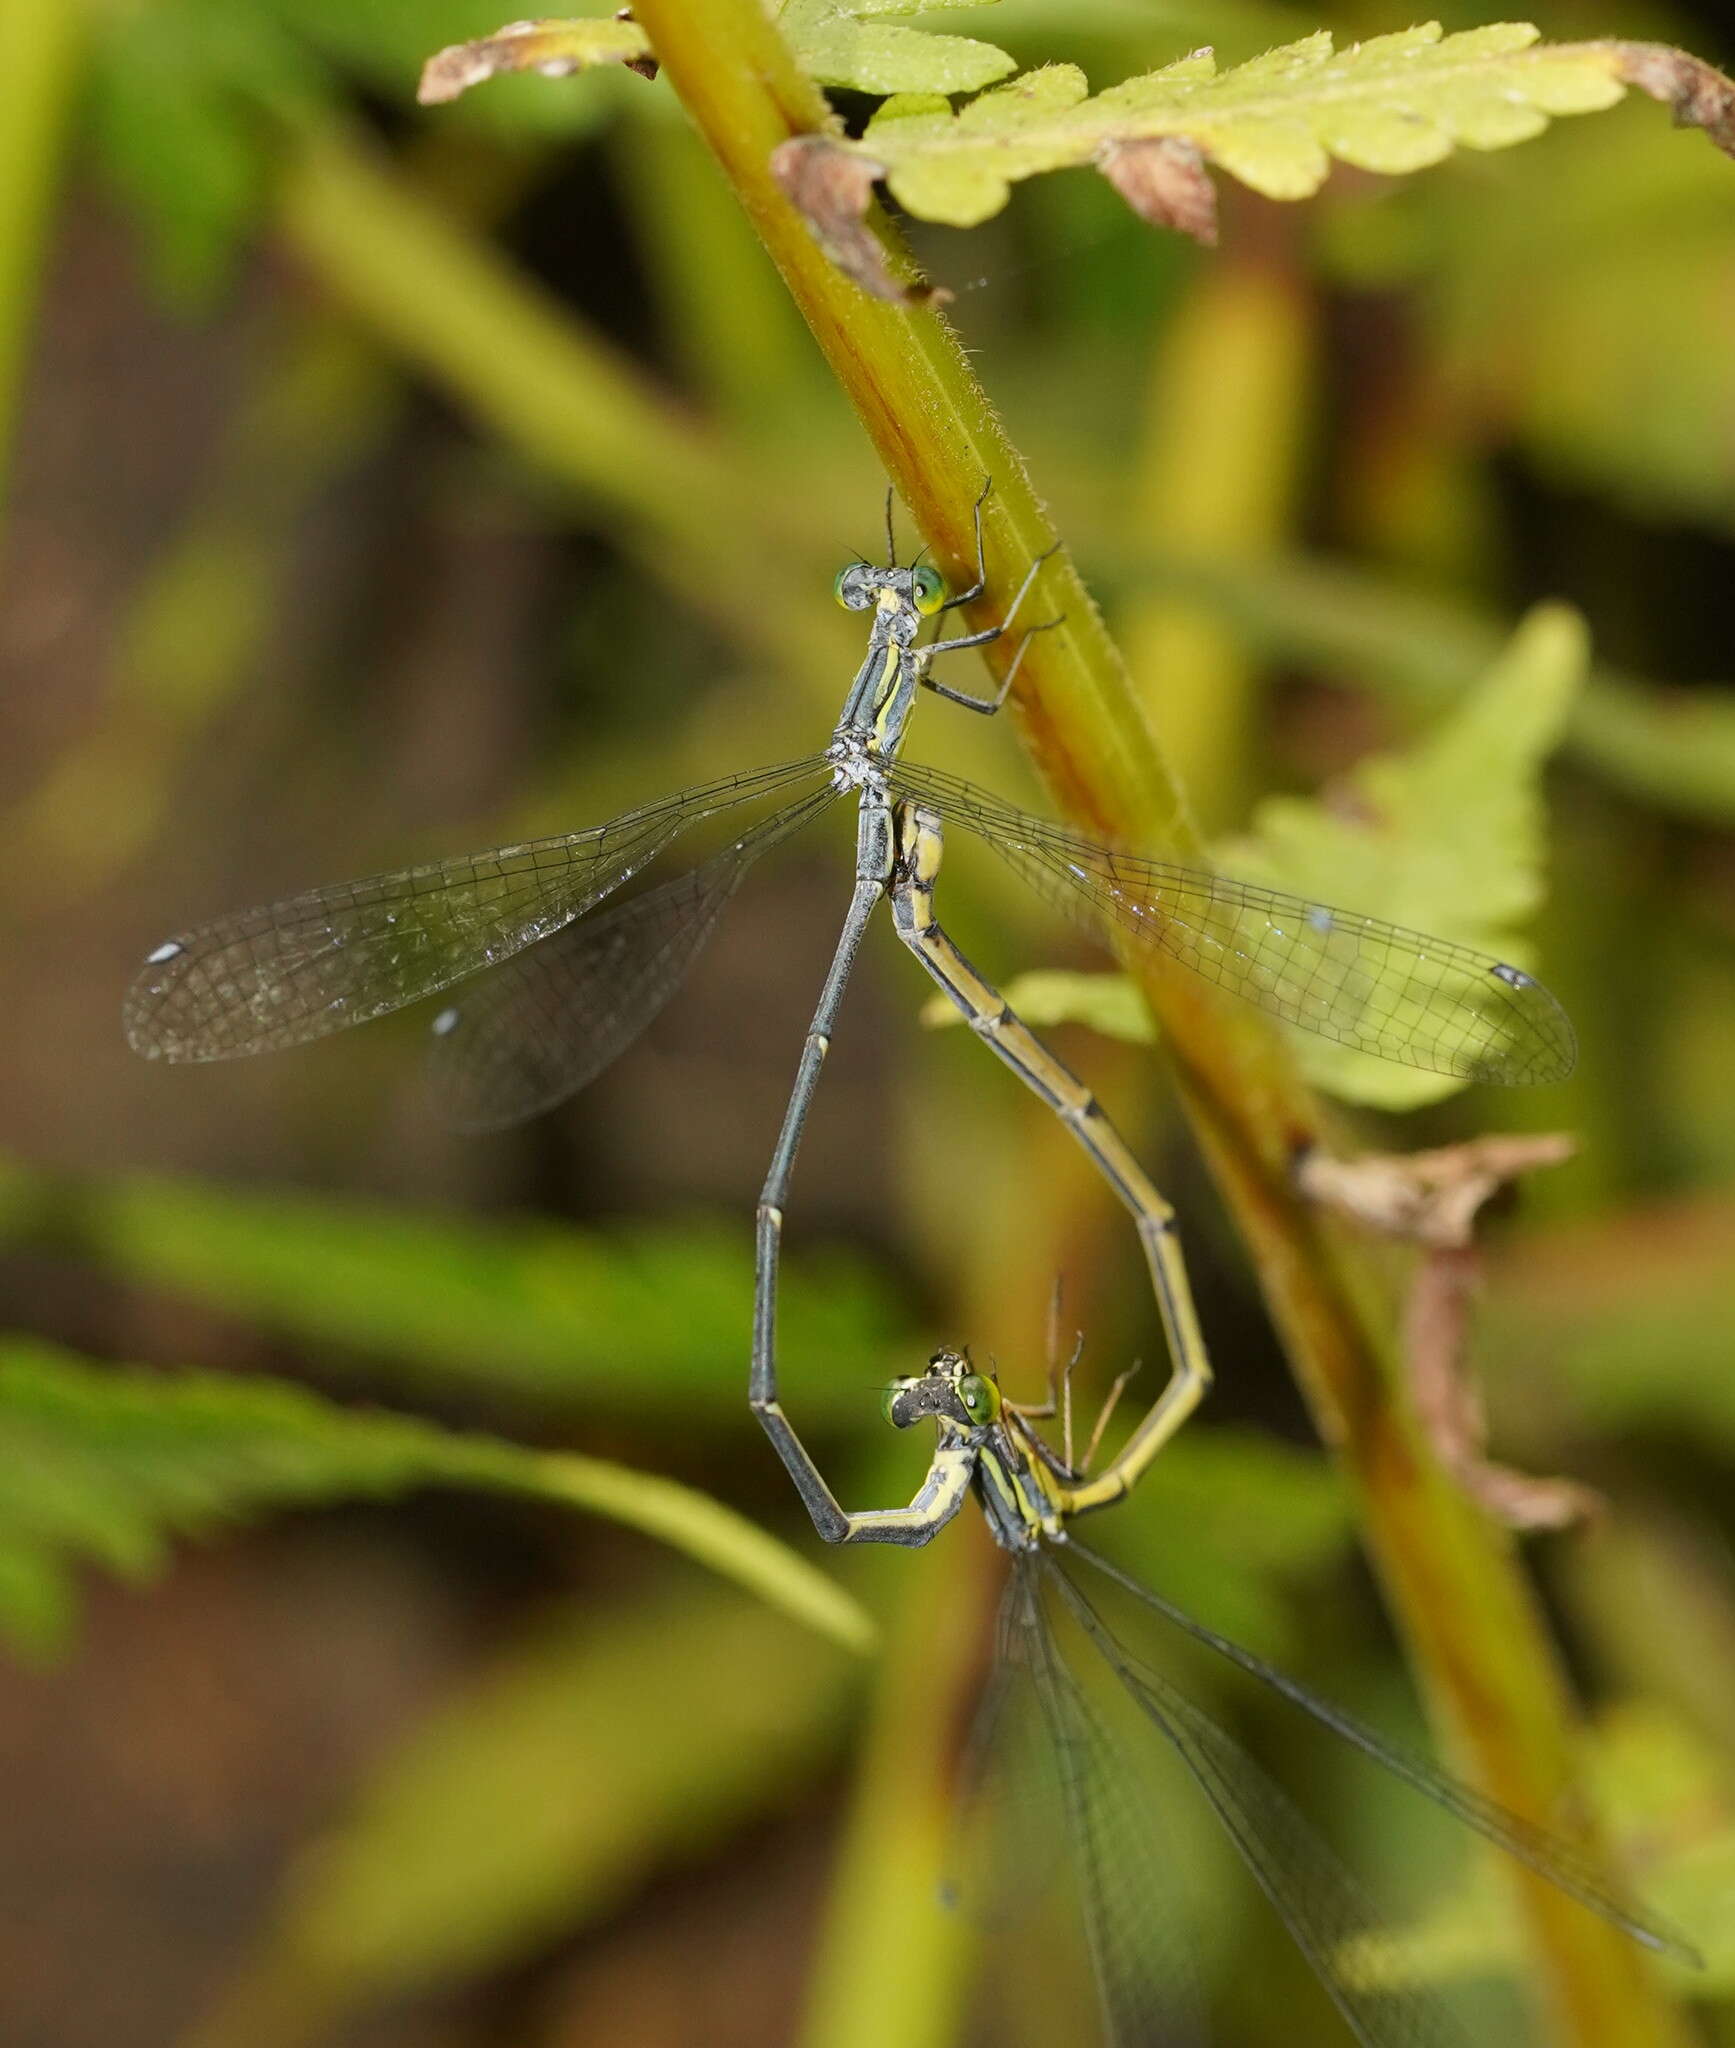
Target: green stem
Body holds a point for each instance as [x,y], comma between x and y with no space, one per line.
[1230,393]
[41,44]
[1477,1637]
[892,1961]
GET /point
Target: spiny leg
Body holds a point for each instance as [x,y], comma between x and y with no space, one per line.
[976,589]
[991,1017]
[1121,1381]
[988,705]
[1061,1463]
[981,583]
[1059,1401]
[1053,1349]
[1046,1410]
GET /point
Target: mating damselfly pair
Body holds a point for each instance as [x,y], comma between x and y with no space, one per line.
[565,993]
[544,996]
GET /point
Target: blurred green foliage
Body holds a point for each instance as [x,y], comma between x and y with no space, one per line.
[387,479]
[109,1465]
[1446,839]
[649,1317]
[493,1829]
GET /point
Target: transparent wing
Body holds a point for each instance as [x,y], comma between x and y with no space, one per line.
[539,1027]
[1006,1814]
[261,980]
[1398,994]
[1314,1895]
[1564,1866]
[1149,1992]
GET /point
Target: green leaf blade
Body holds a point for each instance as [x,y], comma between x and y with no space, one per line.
[647,1319]
[1446,838]
[1277,159]
[1390,140]
[837,46]
[959,168]
[1392,105]
[111,1465]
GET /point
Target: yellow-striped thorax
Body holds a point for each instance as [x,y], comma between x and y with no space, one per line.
[880,698]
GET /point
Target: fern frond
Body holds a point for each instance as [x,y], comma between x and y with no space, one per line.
[112,1464]
[836,40]
[1394,104]
[838,44]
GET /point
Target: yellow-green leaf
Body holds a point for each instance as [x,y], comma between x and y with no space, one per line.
[1393,104]
[959,168]
[835,40]
[556,49]
[838,45]
[1446,838]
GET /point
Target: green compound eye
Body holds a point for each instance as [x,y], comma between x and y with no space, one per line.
[930,590]
[837,591]
[981,1398]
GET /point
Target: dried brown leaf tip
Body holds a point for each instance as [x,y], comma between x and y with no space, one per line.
[556,49]
[1427,1198]
[1696,93]
[1165,182]
[831,189]
[1431,1199]
[1437,1320]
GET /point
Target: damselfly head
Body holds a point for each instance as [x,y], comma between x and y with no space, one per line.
[951,1390]
[861,585]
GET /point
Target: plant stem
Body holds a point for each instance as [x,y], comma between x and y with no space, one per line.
[1232,387]
[41,52]
[1477,1638]
[886,1891]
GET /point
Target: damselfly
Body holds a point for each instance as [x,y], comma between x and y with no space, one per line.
[568,992]
[1030,1494]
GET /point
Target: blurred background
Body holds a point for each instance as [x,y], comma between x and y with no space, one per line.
[381,484]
